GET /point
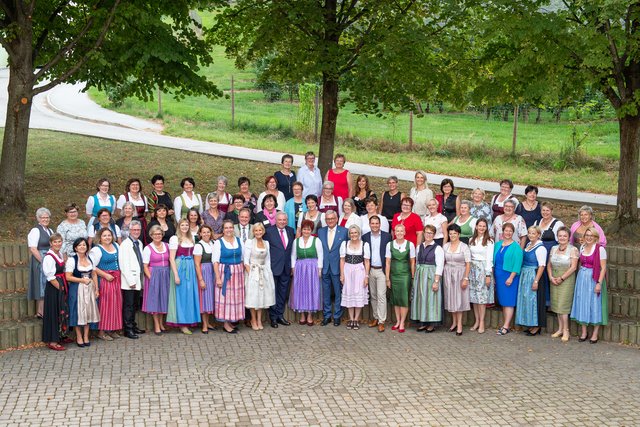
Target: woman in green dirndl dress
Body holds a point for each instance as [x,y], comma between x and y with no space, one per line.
[401,265]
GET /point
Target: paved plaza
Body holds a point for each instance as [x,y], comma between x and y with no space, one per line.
[300,375]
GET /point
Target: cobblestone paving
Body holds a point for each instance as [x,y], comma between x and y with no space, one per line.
[299,375]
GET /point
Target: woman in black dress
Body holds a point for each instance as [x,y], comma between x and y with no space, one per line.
[391,199]
[161,218]
[55,315]
[449,203]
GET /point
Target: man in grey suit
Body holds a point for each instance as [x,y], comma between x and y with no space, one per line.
[331,238]
[244,230]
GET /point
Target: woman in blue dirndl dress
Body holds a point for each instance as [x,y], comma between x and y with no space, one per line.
[184,301]
[590,305]
[531,302]
[506,270]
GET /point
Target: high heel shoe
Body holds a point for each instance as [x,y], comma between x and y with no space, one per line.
[593,341]
[453,328]
[565,335]
[582,339]
[556,334]
[533,334]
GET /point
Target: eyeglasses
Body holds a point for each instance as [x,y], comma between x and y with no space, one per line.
[429,232]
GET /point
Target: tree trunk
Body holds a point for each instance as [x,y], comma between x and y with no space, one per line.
[427,110]
[16,131]
[487,113]
[329,122]
[627,213]
[538,115]
[505,114]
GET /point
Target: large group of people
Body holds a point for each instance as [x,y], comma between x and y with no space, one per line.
[320,245]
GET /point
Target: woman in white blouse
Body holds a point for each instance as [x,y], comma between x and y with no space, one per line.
[437,220]
[260,289]
[481,273]
[229,270]
[306,267]
[38,243]
[271,187]
[102,199]
[55,311]
[426,304]
[354,275]
[420,193]
[349,215]
[188,199]
[202,256]
[510,216]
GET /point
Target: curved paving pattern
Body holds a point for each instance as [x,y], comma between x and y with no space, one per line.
[323,376]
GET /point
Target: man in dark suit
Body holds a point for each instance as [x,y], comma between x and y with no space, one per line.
[331,238]
[377,240]
[281,239]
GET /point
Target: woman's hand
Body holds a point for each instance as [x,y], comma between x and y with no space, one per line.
[219,282]
[598,289]
[341,279]
[85,280]
[389,283]
[435,286]
[109,278]
[534,287]
[509,281]
[177,279]
[487,281]
[203,284]
[465,283]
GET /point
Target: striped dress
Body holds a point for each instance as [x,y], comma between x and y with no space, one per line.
[110,303]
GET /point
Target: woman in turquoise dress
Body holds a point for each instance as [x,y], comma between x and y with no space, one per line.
[184,299]
[590,297]
[507,263]
[531,305]
[401,266]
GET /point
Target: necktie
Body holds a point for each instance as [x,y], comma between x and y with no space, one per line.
[136,249]
[244,233]
[284,244]
[331,236]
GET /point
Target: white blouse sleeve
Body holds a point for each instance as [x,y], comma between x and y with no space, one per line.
[318,244]
[118,232]
[146,255]
[556,228]
[197,249]
[367,250]
[521,227]
[96,255]
[173,243]
[177,208]
[467,252]
[89,205]
[267,259]
[215,252]
[33,237]
[343,249]
[91,231]
[384,223]
[488,258]
[259,202]
[412,250]
[49,268]
[439,260]
[339,205]
[323,223]
[541,255]
[70,265]
[294,253]
[603,253]
[281,201]
[120,202]
[200,207]
[387,250]
[246,255]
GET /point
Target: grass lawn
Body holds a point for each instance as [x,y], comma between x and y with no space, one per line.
[457,144]
[70,175]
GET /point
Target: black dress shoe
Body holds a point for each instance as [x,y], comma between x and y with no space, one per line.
[274,324]
[131,335]
[326,321]
[336,322]
[139,331]
[283,321]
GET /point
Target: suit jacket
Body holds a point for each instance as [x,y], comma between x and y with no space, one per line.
[280,256]
[238,232]
[130,269]
[384,239]
[331,261]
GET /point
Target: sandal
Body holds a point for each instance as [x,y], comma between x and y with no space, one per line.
[355,325]
[105,337]
[56,347]
[310,322]
[503,331]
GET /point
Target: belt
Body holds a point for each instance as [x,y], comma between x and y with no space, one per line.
[376,268]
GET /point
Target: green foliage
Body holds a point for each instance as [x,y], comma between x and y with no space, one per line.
[306,107]
[146,44]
